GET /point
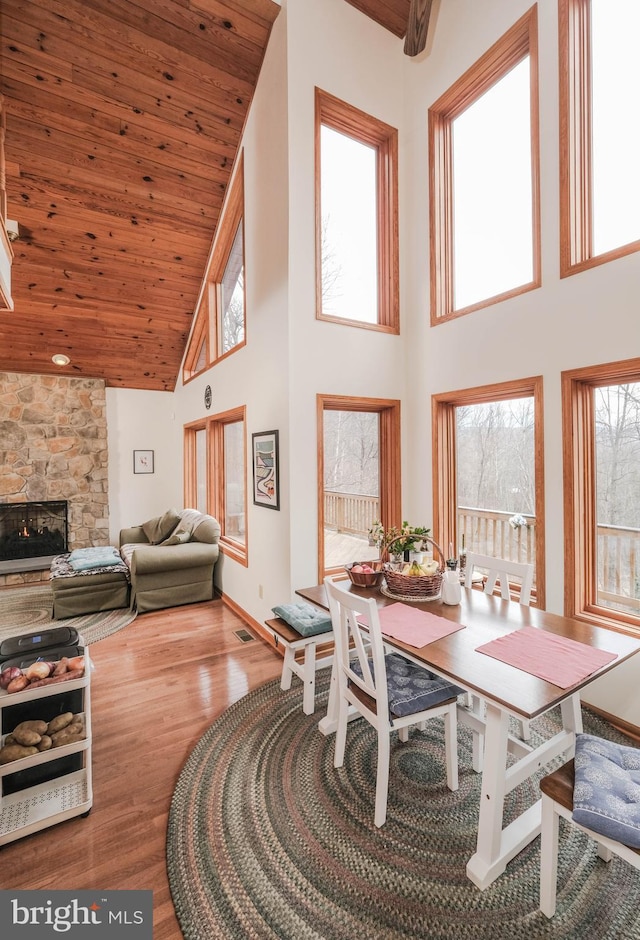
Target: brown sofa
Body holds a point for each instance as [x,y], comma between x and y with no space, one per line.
[171,559]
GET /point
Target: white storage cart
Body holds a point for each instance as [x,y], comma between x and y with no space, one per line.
[49,787]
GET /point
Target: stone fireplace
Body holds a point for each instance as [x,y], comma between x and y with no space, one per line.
[31,534]
[53,447]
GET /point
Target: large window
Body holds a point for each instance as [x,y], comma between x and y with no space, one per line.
[196,484]
[484,204]
[215,476]
[233,494]
[488,479]
[356,216]
[602,513]
[220,322]
[231,324]
[600,132]
[359,448]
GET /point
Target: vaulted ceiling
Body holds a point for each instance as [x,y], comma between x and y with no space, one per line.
[123,122]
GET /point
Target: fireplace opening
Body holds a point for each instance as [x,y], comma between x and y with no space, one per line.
[29,531]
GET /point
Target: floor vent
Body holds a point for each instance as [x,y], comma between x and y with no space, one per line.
[244,636]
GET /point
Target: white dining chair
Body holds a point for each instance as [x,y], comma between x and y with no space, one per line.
[390,692]
[502,572]
[601,787]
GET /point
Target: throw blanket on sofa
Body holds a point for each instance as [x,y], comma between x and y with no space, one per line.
[83,559]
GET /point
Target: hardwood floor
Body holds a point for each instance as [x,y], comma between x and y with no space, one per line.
[156,687]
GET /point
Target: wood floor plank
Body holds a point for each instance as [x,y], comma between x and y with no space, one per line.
[156,687]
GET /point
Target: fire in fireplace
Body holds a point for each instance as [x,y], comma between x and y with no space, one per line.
[33,530]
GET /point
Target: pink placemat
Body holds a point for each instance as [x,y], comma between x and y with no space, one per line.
[413,626]
[548,656]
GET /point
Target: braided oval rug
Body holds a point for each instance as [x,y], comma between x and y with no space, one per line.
[267,840]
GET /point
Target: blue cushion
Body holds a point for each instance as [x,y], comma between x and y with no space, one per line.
[411,688]
[84,559]
[304,618]
[606,794]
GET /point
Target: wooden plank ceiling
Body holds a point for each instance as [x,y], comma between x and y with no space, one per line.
[123,123]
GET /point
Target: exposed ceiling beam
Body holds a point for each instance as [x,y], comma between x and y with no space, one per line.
[415,40]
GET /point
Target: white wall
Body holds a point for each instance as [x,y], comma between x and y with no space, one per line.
[333,46]
[142,420]
[258,374]
[290,357]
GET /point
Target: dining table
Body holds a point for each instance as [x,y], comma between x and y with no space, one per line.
[500,691]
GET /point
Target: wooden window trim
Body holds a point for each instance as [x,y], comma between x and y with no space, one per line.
[518,42]
[444,466]
[580,522]
[576,196]
[232,215]
[189,462]
[215,456]
[343,117]
[199,335]
[390,473]
[208,317]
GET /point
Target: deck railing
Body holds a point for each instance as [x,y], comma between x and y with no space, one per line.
[619,568]
[489,532]
[350,513]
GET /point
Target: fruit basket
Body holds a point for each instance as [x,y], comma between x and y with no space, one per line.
[413,586]
[367,578]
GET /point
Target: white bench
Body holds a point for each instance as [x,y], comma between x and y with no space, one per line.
[312,649]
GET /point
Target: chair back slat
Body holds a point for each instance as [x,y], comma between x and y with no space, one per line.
[503,571]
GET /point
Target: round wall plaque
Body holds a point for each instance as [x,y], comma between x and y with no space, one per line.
[207,397]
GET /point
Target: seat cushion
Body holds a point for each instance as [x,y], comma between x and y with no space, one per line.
[606,795]
[411,688]
[304,618]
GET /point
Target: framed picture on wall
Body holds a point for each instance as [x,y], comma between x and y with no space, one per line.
[266,482]
[143,461]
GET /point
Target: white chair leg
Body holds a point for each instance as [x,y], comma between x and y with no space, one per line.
[451,746]
[604,853]
[382,778]
[341,731]
[287,670]
[525,730]
[548,857]
[403,734]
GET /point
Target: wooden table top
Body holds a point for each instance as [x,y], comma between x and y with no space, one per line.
[487,618]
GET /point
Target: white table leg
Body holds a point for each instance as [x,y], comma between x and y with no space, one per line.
[572,718]
[477,707]
[486,864]
[309,679]
[497,846]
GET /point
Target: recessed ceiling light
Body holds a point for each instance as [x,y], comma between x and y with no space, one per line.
[60,359]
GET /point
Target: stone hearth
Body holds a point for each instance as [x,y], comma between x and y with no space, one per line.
[53,446]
